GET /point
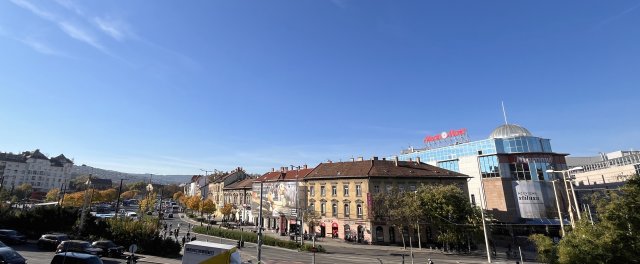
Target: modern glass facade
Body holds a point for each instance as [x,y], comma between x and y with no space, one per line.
[448,157]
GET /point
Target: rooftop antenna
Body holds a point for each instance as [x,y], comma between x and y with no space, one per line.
[504,113]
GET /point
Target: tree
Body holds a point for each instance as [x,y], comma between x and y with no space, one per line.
[148,202]
[226,211]
[170,190]
[75,199]
[208,207]
[547,251]
[312,217]
[108,195]
[137,186]
[400,209]
[447,208]
[194,202]
[23,191]
[177,196]
[52,195]
[615,238]
[128,195]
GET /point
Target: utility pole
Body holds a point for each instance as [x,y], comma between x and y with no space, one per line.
[118,202]
[260,227]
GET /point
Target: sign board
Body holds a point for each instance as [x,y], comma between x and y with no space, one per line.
[446,138]
[533,198]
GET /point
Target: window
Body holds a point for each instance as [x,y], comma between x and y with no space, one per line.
[334,210]
[312,206]
[473,199]
[489,167]
[376,189]
[312,191]
[334,190]
[323,208]
[358,190]
[346,190]
[322,191]
[359,210]
[520,171]
[346,210]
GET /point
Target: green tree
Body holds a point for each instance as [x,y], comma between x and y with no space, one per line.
[547,251]
[23,191]
[399,209]
[447,208]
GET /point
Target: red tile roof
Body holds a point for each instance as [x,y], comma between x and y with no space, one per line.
[380,168]
[289,175]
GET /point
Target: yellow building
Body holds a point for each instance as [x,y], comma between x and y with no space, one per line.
[341,193]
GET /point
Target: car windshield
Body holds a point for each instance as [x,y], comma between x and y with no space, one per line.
[2,245]
[10,254]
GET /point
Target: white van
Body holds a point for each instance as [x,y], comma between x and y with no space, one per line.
[209,252]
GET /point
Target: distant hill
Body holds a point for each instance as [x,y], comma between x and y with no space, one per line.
[131,177]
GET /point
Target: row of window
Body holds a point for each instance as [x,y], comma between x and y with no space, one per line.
[334,209]
[334,190]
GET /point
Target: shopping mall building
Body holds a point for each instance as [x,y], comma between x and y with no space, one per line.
[509,168]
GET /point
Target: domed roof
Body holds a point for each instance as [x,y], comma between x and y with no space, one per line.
[510,130]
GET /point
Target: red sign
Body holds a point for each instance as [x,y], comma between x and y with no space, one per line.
[444,135]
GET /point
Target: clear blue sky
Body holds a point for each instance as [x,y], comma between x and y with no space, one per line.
[171,87]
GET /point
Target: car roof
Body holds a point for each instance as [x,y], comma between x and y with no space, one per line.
[75,241]
[76,255]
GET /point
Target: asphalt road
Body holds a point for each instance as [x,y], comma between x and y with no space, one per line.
[36,256]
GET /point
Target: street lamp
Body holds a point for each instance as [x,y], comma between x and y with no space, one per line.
[575,200]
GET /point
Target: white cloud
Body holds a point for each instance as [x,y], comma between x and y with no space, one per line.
[34,9]
[115,29]
[75,32]
[68,4]
[41,47]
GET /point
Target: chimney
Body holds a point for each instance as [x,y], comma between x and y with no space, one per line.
[329,161]
[418,160]
[384,159]
[352,159]
[410,159]
[273,169]
[305,166]
[395,160]
[374,158]
[360,159]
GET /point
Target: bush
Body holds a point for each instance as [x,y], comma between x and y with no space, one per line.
[308,247]
[248,237]
[39,220]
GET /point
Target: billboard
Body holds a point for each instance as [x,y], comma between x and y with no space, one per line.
[278,198]
[535,199]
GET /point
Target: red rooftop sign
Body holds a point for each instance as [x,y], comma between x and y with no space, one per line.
[446,135]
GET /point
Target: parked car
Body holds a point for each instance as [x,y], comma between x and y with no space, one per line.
[51,241]
[3,245]
[78,246]
[12,237]
[75,258]
[109,248]
[10,256]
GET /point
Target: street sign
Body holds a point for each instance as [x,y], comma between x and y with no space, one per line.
[133,248]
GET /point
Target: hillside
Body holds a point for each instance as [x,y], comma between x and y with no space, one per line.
[131,177]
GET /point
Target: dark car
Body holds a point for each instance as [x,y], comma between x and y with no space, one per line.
[10,256]
[51,241]
[75,258]
[109,248]
[12,237]
[78,246]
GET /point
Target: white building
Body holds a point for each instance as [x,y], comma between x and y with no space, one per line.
[34,168]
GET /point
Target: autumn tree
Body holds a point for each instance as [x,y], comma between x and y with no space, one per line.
[23,191]
[128,194]
[75,199]
[148,202]
[108,195]
[208,207]
[137,186]
[177,196]
[226,211]
[194,203]
[52,195]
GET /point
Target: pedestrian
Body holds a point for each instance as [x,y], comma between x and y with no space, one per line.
[193,238]
[430,262]
[183,240]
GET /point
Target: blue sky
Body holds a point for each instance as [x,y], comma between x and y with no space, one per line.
[172,87]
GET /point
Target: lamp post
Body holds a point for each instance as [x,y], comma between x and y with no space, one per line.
[118,201]
[418,225]
[555,193]
[575,200]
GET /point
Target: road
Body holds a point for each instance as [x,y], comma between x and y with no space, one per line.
[36,256]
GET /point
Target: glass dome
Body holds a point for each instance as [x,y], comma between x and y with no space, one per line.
[509,131]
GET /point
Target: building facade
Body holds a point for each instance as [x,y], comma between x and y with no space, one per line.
[341,193]
[508,171]
[239,195]
[283,194]
[608,170]
[34,168]
[216,186]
